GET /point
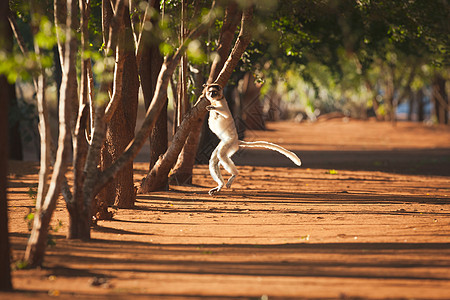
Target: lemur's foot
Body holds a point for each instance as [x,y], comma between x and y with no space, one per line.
[214,190]
[230,181]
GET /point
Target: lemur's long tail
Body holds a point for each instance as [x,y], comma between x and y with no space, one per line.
[275,147]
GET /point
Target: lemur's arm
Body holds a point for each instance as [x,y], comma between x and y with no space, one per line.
[220,110]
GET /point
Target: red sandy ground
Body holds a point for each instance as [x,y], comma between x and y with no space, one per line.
[366,217]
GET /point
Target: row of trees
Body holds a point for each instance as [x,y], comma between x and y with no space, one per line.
[106,103]
[107,50]
[365,55]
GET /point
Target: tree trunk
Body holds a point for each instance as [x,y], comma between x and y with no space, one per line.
[420,106]
[57,74]
[182,87]
[158,137]
[36,256]
[5,269]
[373,95]
[182,172]
[103,111]
[149,66]
[80,145]
[274,112]
[440,99]
[120,131]
[162,168]
[183,104]
[411,106]
[60,21]
[14,136]
[121,118]
[34,253]
[5,255]
[390,91]
[251,109]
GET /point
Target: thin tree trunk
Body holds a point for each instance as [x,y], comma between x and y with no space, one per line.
[60,11]
[251,109]
[373,94]
[80,145]
[440,99]
[149,66]
[175,105]
[6,42]
[411,106]
[14,136]
[390,90]
[34,253]
[5,269]
[183,101]
[44,133]
[57,74]
[64,25]
[420,106]
[162,168]
[182,171]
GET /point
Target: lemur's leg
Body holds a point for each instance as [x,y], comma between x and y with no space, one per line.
[214,169]
[225,151]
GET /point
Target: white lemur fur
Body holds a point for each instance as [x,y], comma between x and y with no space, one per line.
[222,124]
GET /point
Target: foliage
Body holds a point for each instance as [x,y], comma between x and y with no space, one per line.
[353,40]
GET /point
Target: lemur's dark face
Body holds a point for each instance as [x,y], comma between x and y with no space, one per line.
[214,92]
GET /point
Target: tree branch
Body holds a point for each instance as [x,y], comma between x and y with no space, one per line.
[20,42]
[242,42]
[230,21]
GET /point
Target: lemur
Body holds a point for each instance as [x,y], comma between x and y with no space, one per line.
[222,124]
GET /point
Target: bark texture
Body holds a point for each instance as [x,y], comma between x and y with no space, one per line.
[120,191]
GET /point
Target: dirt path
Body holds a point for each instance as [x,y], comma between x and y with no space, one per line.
[366,217]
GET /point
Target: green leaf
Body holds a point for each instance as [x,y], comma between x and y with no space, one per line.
[166,49]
